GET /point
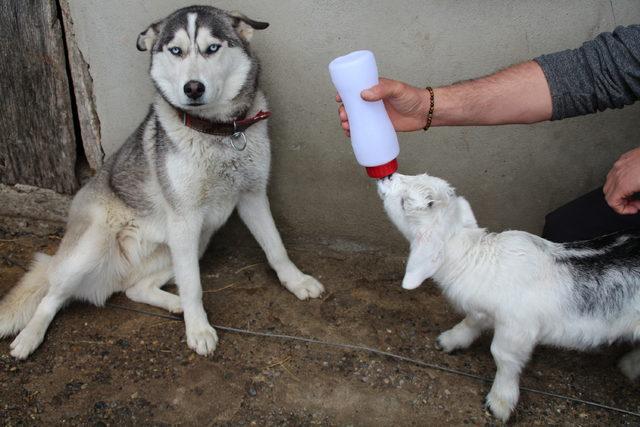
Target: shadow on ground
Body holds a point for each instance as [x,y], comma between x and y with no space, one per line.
[114,367]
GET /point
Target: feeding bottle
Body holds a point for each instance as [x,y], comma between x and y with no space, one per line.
[373,138]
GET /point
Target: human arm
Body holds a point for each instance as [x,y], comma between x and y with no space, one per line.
[518,94]
[603,73]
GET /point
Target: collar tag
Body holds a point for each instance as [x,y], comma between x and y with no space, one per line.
[237,137]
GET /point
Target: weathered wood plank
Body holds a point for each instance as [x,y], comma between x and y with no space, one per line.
[84,98]
[37,141]
[27,209]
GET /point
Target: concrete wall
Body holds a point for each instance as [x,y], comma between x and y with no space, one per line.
[512,175]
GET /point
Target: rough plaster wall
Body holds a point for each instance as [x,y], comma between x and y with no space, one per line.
[512,175]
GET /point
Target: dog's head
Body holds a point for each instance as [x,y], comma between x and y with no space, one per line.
[427,211]
[200,57]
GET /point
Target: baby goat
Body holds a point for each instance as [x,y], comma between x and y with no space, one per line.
[528,289]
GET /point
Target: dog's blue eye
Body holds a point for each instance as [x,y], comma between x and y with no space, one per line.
[175,50]
[213,48]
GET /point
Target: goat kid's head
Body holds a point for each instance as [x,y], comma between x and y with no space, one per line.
[428,212]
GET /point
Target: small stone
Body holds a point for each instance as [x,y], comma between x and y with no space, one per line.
[99,406]
[252,392]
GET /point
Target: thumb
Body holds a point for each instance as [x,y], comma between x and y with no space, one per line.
[631,207]
[384,89]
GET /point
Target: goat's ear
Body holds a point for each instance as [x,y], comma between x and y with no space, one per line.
[467,218]
[148,37]
[425,259]
[244,26]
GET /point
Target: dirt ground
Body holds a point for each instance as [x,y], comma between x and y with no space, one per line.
[108,366]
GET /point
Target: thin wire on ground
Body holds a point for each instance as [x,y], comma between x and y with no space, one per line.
[387,354]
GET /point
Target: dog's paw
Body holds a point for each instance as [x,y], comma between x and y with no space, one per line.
[500,406]
[174,306]
[630,365]
[202,339]
[306,288]
[25,343]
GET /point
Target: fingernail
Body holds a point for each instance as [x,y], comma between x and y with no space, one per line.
[366,93]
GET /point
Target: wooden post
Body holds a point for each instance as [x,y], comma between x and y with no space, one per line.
[37,139]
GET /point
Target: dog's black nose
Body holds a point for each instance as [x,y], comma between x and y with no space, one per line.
[194,89]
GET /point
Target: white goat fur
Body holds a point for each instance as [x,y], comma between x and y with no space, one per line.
[526,288]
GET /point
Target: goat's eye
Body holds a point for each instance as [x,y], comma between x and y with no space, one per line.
[213,48]
[175,51]
[430,204]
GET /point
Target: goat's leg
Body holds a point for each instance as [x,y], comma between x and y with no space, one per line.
[511,349]
[463,334]
[630,364]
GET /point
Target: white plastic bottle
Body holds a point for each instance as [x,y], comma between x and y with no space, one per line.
[373,138]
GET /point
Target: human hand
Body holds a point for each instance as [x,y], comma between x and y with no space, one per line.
[623,181]
[406,105]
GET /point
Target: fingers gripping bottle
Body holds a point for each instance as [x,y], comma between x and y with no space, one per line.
[373,138]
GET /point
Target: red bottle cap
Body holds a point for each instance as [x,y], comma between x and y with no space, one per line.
[383,170]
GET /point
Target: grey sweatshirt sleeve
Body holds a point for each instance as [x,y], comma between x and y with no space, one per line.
[603,73]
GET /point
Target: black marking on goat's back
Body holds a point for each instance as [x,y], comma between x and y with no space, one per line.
[606,274]
[602,241]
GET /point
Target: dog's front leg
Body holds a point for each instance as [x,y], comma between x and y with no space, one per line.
[183,238]
[256,214]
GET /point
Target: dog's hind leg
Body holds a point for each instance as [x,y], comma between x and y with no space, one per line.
[17,308]
[151,275]
[463,334]
[147,291]
[64,278]
[254,211]
[630,364]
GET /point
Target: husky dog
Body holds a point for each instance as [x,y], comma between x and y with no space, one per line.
[149,213]
[528,289]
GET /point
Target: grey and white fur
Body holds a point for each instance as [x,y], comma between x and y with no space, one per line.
[149,213]
[527,289]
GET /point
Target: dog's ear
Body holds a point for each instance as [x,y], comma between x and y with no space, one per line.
[426,257]
[244,26]
[148,37]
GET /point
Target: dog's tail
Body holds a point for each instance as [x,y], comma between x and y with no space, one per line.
[17,308]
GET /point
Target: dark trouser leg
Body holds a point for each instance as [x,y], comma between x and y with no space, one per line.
[584,218]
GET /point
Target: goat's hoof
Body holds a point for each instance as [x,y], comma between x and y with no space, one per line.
[500,408]
[446,342]
[630,365]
